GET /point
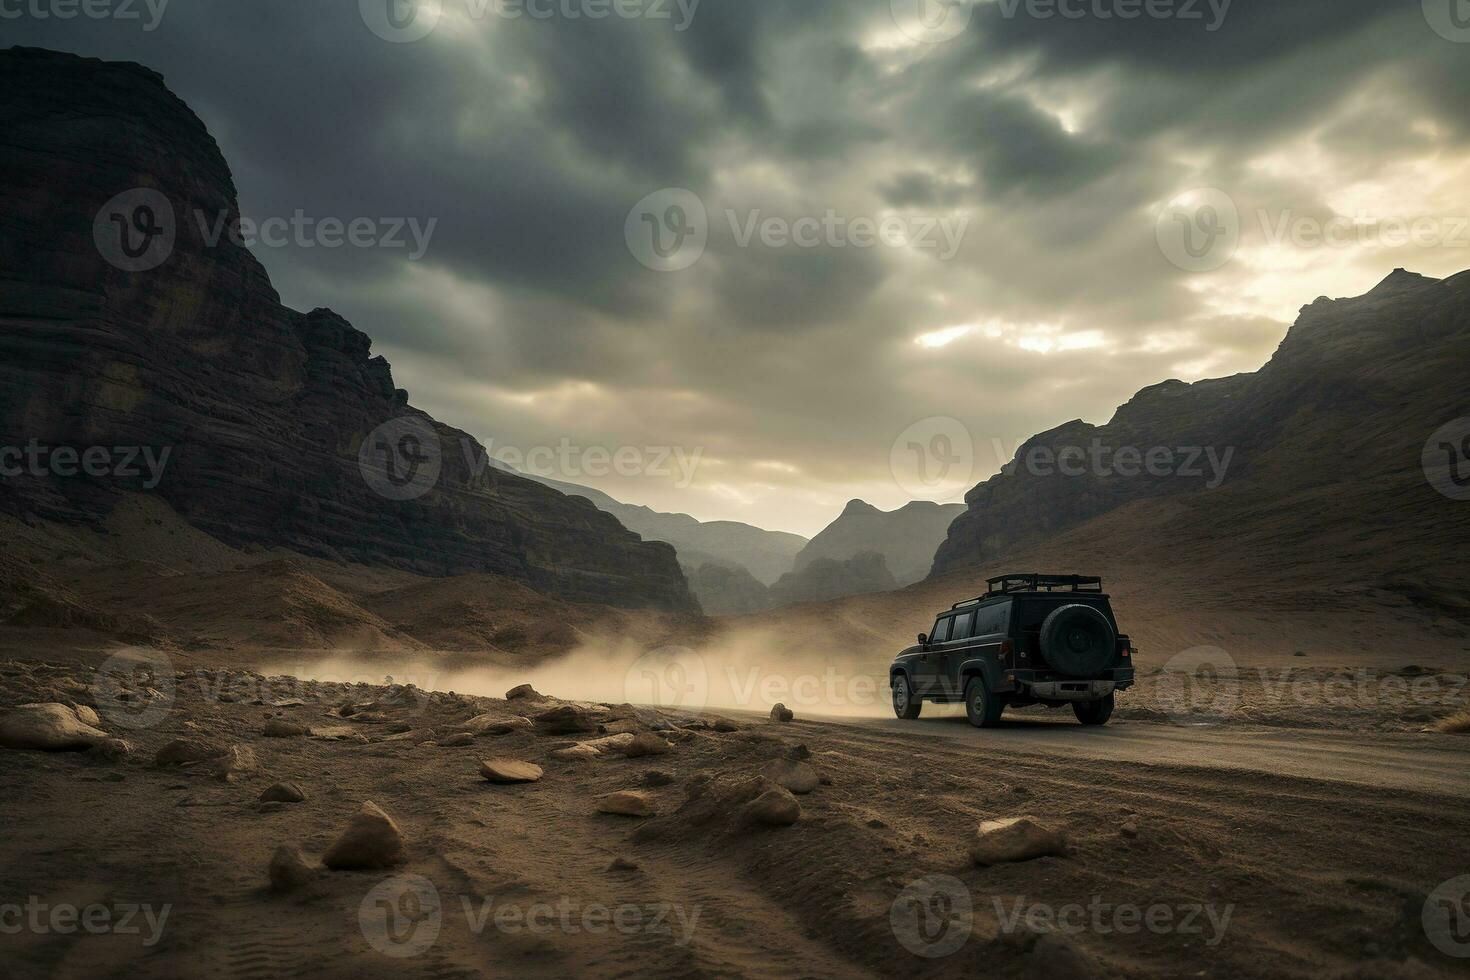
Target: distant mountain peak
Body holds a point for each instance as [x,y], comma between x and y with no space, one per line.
[1399,280]
[856,506]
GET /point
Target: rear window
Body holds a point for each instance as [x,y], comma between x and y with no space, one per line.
[993,619]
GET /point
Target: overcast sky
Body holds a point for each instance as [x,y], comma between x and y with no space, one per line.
[1047,246]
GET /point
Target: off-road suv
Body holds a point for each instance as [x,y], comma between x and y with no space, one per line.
[1030,639]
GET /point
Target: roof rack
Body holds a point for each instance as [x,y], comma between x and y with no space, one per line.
[1035,582]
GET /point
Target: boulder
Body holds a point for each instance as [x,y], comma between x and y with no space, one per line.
[798,777]
[281,728]
[112,749]
[566,719]
[87,715]
[609,743]
[1015,839]
[773,808]
[282,793]
[47,727]
[495,725]
[457,740]
[628,803]
[781,713]
[289,870]
[644,744]
[521,691]
[372,840]
[233,762]
[725,725]
[510,771]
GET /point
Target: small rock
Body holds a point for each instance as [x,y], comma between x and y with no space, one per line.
[289,870]
[646,743]
[495,725]
[521,691]
[183,751]
[578,751]
[799,753]
[281,728]
[112,749]
[1129,829]
[282,793]
[510,771]
[621,726]
[371,840]
[622,864]
[609,743]
[234,762]
[657,777]
[48,727]
[87,715]
[456,741]
[628,803]
[1015,839]
[725,725]
[773,808]
[566,719]
[798,777]
[781,713]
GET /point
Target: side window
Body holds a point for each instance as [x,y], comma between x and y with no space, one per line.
[963,626]
[941,631]
[993,619]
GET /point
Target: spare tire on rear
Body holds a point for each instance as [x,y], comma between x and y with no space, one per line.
[1077,640]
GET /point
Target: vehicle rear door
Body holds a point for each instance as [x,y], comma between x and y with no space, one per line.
[992,622]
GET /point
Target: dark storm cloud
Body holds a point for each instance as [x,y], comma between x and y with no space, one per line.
[794,368]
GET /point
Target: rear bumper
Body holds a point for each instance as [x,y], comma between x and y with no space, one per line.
[1054,687]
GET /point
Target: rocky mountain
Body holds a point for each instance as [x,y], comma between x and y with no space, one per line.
[1322,462]
[127,337]
[830,578]
[726,590]
[766,555]
[906,537]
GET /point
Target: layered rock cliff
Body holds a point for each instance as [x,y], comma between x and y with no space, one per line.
[121,325]
[1346,405]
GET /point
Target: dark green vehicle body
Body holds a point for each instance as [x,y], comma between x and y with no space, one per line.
[997,639]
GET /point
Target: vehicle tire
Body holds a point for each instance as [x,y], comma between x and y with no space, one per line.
[905,705]
[1077,640]
[1094,712]
[983,708]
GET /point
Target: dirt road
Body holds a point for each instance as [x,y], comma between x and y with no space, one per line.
[1189,852]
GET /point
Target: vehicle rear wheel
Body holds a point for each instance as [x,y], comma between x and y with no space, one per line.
[905,705]
[982,707]
[1094,712]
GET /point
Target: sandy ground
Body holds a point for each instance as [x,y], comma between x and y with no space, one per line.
[1231,849]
